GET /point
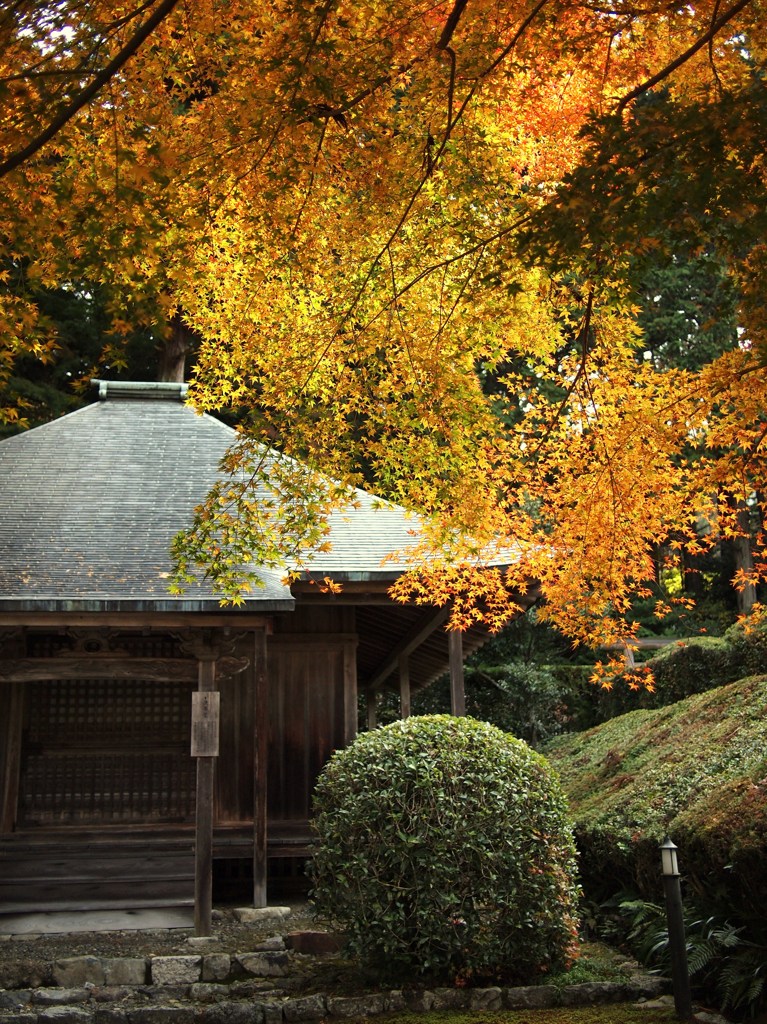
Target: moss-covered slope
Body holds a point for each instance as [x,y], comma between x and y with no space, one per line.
[695,770]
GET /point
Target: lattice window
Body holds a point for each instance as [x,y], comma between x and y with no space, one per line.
[105,711]
[106,751]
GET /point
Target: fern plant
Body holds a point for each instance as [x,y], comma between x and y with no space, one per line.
[727,962]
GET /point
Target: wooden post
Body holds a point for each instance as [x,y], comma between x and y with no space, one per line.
[351,712]
[260,766]
[10,754]
[206,769]
[404,686]
[457,694]
[371,700]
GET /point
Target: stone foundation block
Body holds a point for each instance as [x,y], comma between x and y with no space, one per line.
[485,999]
[110,1015]
[306,1008]
[647,988]
[531,997]
[175,970]
[396,1002]
[112,993]
[64,1015]
[451,998]
[356,1006]
[162,1015]
[274,942]
[420,1002]
[255,915]
[204,992]
[216,966]
[231,1013]
[272,1011]
[78,970]
[59,996]
[125,971]
[590,993]
[15,999]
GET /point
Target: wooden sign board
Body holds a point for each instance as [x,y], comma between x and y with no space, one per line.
[205,717]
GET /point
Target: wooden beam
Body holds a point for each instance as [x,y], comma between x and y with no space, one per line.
[457,692]
[203,847]
[404,686]
[334,600]
[128,620]
[360,588]
[409,643]
[260,765]
[83,666]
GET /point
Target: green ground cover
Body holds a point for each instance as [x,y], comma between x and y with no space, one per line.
[622,1013]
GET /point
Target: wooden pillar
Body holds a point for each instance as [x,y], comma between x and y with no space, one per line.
[12,696]
[371,700]
[404,686]
[260,767]
[350,691]
[205,749]
[457,694]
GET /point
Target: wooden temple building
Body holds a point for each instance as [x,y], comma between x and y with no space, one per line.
[147,740]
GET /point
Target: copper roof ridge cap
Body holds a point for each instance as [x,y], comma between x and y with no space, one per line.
[156,389]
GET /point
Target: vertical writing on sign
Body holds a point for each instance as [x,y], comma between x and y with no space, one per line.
[205,717]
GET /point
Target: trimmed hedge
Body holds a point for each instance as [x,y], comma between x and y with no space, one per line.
[444,848]
[689,666]
[696,770]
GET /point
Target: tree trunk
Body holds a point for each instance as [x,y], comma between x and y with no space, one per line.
[744,559]
[173,352]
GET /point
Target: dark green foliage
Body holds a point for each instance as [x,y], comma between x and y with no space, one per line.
[688,311]
[526,700]
[444,849]
[526,680]
[78,318]
[690,666]
[634,193]
[727,964]
[748,644]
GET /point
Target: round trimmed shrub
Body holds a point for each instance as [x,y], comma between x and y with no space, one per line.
[444,848]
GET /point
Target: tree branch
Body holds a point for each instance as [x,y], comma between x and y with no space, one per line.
[684,57]
[87,94]
[451,24]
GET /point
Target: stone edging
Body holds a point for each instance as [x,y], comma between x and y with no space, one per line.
[207,1003]
[249,988]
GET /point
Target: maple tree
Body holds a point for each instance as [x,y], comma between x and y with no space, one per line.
[360,209]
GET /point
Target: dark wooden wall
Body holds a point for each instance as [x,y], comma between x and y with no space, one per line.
[312,697]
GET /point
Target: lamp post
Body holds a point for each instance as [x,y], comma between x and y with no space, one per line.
[677,944]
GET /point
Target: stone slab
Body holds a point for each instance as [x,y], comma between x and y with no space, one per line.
[255,915]
[264,965]
[58,922]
